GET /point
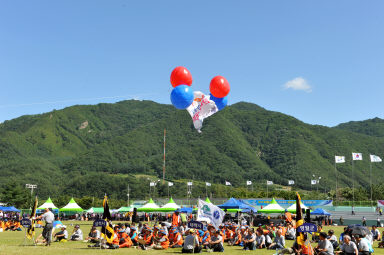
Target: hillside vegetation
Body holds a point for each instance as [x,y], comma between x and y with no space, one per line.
[95,149]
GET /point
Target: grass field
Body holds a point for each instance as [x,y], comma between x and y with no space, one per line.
[12,243]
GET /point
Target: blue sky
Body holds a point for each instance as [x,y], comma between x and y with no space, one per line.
[319,61]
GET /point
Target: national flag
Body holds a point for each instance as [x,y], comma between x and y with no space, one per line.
[269,182]
[249,183]
[31,229]
[375,158]
[299,220]
[170,184]
[152,184]
[190,183]
[357,156]
[210,211]
[228,183]
[339,159]
[291,182]
[108,230]
[313,182]
[208,184]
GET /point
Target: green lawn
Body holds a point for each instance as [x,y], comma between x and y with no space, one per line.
[12,243]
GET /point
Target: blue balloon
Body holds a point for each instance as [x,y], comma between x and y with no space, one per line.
[220,102]
[182,96]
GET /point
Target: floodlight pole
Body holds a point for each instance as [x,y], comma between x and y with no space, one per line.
[128,197]
[31,186]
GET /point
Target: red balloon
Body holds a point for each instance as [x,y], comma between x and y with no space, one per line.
[181,76]
[219,87]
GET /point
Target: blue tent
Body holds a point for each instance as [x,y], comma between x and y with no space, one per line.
[249,210]
[320,211]
[9,209]
[185,210]
[233,203]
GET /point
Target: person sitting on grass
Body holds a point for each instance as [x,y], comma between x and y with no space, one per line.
[147,239]
[324,246]
[206,237]
[333,239]
[93,237]
[381,244]
[177,239]
[161,242]
[316,235]
[362,245]
[260,239]
[237,239]
[291,233]
[250,240]
[216,242]
[191,243]
[134,236]
[77,234]
[375,233]
[278,242]
[348,247]
[124,239]
[62,236]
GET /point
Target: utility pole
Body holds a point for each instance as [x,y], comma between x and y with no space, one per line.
[165,131]
[31,186]
[128,197]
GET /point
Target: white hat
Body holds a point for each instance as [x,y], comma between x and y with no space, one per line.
[64,226]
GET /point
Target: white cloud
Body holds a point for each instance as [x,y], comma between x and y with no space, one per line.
[298,83]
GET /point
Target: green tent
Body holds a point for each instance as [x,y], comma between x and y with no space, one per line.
[292,208]
[47,204]
[208,201]
[273,207]
[72,206]
[96,210]
[125,209]
[149,207]
[169,207]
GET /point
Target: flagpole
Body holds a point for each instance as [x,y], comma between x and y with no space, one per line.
[164,157]
[336,180]
[370,177]
[128,196]
[353,185]
[206,190]
[168,190]
[267,190]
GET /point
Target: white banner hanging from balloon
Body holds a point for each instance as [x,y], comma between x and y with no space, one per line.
[201,108]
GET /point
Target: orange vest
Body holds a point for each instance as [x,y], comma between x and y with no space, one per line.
[208,235]
[181,241]
[148,238]
[222,236]
[165,244]
[116,240]
[17,224]
[136,237]
[239,240]
[288,216]
[306,249]
[283,231]
[175,219]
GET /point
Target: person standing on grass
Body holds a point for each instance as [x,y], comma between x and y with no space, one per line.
[48,217]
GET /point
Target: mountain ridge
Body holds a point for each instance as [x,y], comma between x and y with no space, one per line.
[242,142]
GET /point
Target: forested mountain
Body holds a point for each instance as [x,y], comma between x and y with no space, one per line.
[372,127]
[93,149]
